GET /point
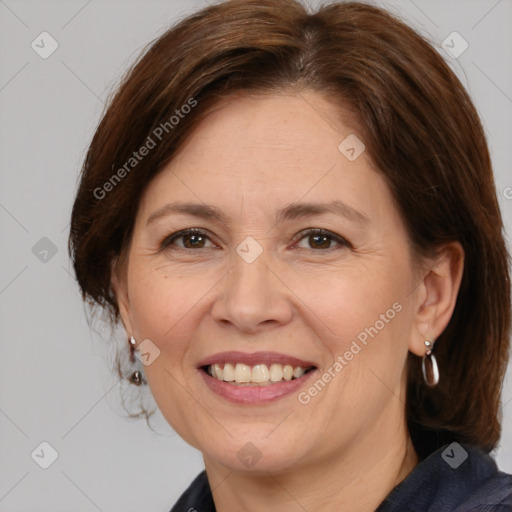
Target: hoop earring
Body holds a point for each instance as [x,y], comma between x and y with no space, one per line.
[432,363]
[136,376]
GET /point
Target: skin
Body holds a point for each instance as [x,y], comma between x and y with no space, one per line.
[349,446]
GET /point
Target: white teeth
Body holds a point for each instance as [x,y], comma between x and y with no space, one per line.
[298,372]
[217,371]
[261,374]
[276,372]
[288,372]
[242,373]
[228,373]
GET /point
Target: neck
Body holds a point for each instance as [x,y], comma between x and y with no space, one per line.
[355,478]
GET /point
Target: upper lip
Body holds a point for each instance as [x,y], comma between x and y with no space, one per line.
[253,358]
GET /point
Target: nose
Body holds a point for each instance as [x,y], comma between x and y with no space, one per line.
[252,297]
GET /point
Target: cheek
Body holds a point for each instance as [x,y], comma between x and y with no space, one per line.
[160,298]
[166,309]
[362,317]
[348,300]
[363,323]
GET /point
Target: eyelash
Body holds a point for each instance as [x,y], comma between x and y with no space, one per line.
[168,240]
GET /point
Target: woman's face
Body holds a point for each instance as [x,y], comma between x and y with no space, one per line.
[253,279]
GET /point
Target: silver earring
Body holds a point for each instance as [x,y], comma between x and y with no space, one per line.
[136,377]
[431,377]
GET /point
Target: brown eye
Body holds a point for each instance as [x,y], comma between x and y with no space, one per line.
[193,240]
[190,239]
[322,239]
[319,241]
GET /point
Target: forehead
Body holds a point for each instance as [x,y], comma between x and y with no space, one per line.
[268,149]
[284,125]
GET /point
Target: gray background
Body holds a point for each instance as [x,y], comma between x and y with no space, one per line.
[55,384]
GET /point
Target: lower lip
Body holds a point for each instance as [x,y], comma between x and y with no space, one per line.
[254,394]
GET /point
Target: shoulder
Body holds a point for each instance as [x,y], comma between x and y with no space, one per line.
[454,478]
[197,497]
[491,489]
[493,495]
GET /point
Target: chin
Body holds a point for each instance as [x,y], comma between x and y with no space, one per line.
[256,456]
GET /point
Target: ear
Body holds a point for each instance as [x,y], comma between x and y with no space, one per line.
[118,282]
[437,295]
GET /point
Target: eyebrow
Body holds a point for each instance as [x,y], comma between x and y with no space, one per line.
[290,212]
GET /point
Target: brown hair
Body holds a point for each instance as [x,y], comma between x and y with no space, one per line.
[420,129]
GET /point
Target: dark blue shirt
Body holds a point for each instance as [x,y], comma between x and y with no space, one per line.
[454,478]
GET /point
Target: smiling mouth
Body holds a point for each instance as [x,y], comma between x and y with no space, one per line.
[239,374]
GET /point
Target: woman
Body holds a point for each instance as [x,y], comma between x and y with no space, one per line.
[295,219]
